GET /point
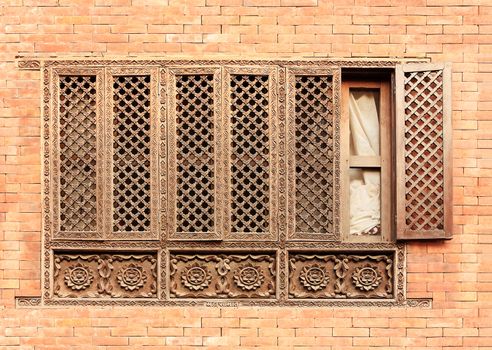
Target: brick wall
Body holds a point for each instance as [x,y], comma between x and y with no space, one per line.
[457,274]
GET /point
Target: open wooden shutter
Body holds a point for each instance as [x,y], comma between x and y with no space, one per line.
[423,151]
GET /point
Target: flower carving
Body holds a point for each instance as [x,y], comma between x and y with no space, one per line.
[78,277]
[249,277]
[131,277]
[196,277]
[366,278]
[314,277]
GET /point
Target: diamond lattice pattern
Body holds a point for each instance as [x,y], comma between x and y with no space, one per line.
[424,150]
[250,153]
[131,153]
[78,153]
[314,154]
[195,153]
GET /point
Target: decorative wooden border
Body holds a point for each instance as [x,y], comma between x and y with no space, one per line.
[163,253]
[34,63]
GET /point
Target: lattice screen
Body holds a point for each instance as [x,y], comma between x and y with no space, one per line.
[195,153]
[250,153]
[78,207]
[131,153]
[425,194]
[314,153]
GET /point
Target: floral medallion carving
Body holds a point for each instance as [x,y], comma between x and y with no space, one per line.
[78,277]
[314,277]
[102,275]
[196,277]
[334,275]
[249,277]
[366,278]
[131,277]
[222,275]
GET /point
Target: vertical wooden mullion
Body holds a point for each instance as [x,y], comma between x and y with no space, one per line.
[171,171]
[55,144]
[53,151]
[163,156]
[108,151]
[345,163]
[448,146]
[219,154]
[100,88]
[386,161]
[154,154]
[226,140]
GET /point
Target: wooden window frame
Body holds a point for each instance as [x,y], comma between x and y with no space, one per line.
[292,262]
[382,162]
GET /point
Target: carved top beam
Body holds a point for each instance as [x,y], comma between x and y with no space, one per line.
[36,63]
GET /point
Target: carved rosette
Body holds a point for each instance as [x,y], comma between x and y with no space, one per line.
[222,275]
[334,275]
[314,277]
[78,277]
[86,275]
[366,278]
[196,277]
[131,277]
[249,277]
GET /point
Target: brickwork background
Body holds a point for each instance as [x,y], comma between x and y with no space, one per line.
[457,274]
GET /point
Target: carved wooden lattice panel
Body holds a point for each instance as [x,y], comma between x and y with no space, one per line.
[131,153]
[78,157]
[250,153]
[313,154]
[251,146]
[424,121]
[195,153]
[194,149]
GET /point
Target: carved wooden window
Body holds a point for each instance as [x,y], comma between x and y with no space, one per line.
[177,182]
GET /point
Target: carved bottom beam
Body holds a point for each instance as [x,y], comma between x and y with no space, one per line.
[237,276]
[332,275]
[101,275]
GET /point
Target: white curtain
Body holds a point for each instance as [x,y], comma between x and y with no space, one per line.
[365,184]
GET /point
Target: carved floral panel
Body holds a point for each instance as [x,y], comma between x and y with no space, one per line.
[222,275]
[101,275]
[326,275]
